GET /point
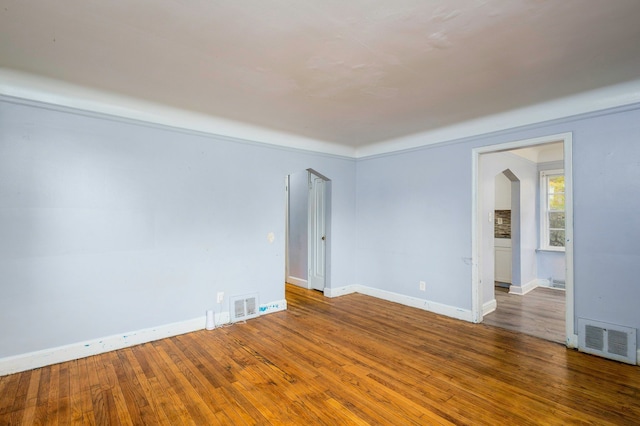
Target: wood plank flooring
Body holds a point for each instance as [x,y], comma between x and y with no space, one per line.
[540,313]
[349,360]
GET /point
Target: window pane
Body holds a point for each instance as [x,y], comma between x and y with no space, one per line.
[556,184]
[556,202]
[556,220]
[556,238]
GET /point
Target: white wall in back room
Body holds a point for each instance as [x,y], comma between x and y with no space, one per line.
[503,192]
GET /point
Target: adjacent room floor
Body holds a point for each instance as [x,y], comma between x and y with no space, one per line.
[539,313]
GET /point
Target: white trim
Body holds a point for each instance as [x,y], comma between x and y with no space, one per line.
[435,307]
[341,291]
[414,302]
[270,308]
[476,240]
[638,357]
[489,307]
[570,320]
[543,220]
[287,201]
[55,92]
[476,237]
[522,290]
[587,102]
[543,282]
[37,359]
[551,248]
[298,281]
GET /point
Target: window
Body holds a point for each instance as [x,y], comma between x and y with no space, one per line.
[552,210]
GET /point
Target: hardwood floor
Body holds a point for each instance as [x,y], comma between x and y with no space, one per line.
[348,360]
[540,313]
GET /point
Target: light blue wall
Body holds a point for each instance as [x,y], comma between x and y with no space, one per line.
[414,216]
[551,265]
[108,227]
[606,161]
[414,223]
[298,224]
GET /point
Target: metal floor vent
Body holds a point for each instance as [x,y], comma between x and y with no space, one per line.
[244,307]
[607,340]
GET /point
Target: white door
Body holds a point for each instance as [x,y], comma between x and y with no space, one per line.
[317,232]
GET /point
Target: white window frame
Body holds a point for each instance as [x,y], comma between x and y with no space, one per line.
[544,209]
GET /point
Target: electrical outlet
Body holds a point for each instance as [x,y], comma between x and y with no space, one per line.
[220,296]
[423,286]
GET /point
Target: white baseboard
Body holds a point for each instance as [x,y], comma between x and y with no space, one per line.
[341,291]
[435,307]
[522,290]
[277,306]
[489,307]
[298,281]
[543,282]
[638,357]
[572,342]
[37,359]
[31,360]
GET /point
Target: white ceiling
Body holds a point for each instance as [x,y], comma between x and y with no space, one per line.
[354,72]
[541,153]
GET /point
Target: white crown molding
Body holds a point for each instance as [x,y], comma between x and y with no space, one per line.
[40,89]
[587,102]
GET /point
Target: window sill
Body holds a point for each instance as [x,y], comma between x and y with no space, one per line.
[551,250]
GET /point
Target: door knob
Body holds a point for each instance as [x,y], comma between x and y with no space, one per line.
[323,238]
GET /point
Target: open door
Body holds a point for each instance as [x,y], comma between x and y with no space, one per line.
[317,232]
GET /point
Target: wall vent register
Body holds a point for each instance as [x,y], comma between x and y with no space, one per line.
[244,307]
[607,340]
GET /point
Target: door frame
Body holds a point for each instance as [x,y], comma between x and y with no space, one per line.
[313,240]
[476,226]
[287,218]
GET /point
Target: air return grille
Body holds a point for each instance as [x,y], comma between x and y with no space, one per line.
[244,307]
[607,340]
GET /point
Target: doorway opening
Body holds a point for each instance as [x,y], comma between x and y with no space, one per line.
[507,229]
[525,245]
[308,229]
